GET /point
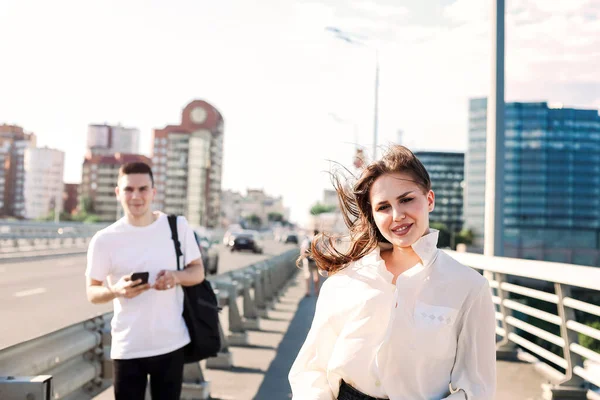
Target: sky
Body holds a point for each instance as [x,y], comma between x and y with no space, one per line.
[295,99]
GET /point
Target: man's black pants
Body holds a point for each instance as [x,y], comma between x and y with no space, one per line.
[166,375]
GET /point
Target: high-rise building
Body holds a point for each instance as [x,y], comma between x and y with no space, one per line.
[188,161]
[110,139]
[99,179]
[13,142]
[43,187]
[447,171]
[551,181]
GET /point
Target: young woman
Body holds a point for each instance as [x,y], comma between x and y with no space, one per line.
[397,318]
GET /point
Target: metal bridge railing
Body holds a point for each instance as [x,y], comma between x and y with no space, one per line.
[541,308]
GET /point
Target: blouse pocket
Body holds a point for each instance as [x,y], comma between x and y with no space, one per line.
[435,334]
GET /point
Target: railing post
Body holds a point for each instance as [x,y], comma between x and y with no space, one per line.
[251,319]
[107,364]
[505,349]
[572,388]
[26,387]
[259,292]
[238,335]
[269,285]
[194,385]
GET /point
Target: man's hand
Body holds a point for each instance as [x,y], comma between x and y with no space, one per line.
[165,280]
[129,289]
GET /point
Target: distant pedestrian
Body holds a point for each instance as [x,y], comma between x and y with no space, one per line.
[133,264]
[309,266]
[397,318]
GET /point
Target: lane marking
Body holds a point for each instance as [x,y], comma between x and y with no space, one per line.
[30,292]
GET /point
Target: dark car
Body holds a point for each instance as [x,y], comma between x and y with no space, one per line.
[209,253]
[246,241]
[291,238]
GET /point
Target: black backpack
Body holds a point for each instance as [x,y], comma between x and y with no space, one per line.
[200,312]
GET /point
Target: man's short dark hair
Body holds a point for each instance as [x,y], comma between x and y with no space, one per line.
[136,168]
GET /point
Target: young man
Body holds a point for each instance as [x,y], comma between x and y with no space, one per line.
[148,330]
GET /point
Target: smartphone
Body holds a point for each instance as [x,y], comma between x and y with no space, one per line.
[140,275]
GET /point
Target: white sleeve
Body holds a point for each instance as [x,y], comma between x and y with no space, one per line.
[308,375]
[98,260]
[474,372]
[189,246]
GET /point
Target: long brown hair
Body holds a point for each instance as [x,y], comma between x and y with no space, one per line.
[356,209]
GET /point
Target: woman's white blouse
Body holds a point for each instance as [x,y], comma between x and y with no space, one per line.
[430,336]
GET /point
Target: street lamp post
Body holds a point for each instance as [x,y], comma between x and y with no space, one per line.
[494,178]
[347,37]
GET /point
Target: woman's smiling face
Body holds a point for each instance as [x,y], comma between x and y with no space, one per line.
[400,208]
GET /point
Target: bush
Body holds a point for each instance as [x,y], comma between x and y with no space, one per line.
[588,342]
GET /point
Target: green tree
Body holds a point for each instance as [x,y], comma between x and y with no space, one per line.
[87,205]
[92,219]
[465,236]
[444,237]
[254,221]
[86,211]
[321,208]
[275,217]
[588,342]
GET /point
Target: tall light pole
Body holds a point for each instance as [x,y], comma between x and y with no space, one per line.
[494,164]
[348,37]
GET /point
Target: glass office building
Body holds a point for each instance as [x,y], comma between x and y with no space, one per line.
[551,181]
[446,171]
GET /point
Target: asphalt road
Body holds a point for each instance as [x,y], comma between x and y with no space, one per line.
[40,296]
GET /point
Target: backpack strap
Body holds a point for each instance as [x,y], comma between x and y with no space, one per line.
[175,236]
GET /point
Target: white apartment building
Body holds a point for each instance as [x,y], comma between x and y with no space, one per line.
[187,165]
[43,186]
[109,139]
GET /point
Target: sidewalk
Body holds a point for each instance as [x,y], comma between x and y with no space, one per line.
[260,370]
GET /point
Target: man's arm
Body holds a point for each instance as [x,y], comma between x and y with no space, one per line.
[97,293]
[192,275]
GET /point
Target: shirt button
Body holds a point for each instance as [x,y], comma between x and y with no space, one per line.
[377,383]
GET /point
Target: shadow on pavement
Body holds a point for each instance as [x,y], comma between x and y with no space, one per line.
[275,385]
[245,370]
[255,346]
[267,331]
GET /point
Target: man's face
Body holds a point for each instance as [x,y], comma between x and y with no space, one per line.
[135,192]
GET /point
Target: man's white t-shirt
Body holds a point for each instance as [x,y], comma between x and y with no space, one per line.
[150,324]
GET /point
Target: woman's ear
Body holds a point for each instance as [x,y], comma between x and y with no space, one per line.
[431,200]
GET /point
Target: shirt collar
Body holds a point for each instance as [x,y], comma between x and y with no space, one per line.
[425,247]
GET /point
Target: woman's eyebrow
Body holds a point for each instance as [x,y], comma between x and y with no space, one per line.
[403,195]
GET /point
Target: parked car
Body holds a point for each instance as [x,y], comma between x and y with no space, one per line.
[209,253]
[247,240]
[291,238]
[230,233]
